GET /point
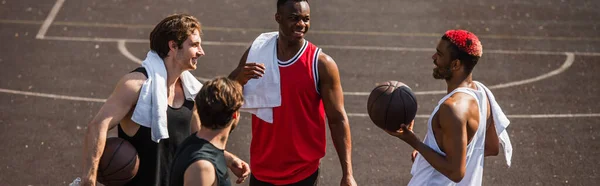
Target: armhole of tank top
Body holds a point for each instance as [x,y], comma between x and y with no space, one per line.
[467,91]
[141,70]
[195,159]
[315,70]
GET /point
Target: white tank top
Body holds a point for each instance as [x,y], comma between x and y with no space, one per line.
[424,174]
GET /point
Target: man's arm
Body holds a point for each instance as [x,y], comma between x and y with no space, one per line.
[453,120]
[333,101]
[116,107]
[246,71]
[199,173]
[453,116]
[239,167]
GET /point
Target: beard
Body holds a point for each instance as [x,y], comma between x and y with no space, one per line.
[442,73]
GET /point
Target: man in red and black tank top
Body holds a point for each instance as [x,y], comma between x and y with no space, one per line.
[288,151]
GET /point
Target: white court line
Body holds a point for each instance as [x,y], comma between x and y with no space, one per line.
[565,66]
[123,49]
[568,62]
[44,28]
[522,116]
[126,53]
[74,98]
[368,48]
[55,96]
[324,32]
[94,39]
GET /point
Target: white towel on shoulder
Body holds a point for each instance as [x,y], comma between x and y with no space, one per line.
[151,108]
[261,95]
[501,123]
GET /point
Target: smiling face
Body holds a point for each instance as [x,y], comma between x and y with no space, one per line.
[442,59]
[294,20]
[187,55]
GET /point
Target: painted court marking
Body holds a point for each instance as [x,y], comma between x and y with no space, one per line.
[123,49]
[323,32]
[42,32]
[568,62]
[54,96]
[121,45]
[570,58]
[520,116]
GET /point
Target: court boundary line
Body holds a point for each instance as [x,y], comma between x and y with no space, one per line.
[121,45]
[377,48]
[523,116]
[322,32]
[566,65]
[48,21]
[568,62]
[513,116]
[54,96]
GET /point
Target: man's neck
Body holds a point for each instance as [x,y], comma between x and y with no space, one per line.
[173,71]
[460,81]
[288,48]
[216,137]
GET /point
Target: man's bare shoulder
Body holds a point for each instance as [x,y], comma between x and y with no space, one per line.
[457,107]
[325,59]
[133,80]
[201,172]
[201,166]
[459,100]
[128,88]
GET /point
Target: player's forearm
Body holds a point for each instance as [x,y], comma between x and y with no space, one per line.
[229,157]
[437,161]
[94,142]
[342,140]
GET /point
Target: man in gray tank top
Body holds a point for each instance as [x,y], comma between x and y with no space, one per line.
[200,159]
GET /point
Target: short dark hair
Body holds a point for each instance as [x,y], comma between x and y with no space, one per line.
[468,60]
[176,28]
[217,101]
[282,2]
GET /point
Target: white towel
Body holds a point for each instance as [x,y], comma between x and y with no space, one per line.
[151,108]
[501,122]
[261,95]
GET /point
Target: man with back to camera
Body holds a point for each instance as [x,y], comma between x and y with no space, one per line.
[200,159]
[292,86]
[467,125]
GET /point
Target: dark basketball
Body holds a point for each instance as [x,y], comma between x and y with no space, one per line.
[119,162]
[390,104]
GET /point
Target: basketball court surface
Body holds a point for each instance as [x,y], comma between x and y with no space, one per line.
[61,59]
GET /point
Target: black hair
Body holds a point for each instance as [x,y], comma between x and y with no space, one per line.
[282,2]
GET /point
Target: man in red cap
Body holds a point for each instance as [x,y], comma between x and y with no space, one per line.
[463,127]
